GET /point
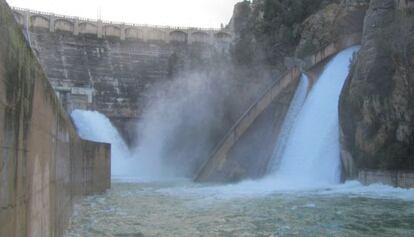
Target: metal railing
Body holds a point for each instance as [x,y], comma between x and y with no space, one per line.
[74,18]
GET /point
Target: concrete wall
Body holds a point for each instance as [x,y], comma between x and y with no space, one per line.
[44,165]
[403,179]
[122,31]
[330,50]
[111,76]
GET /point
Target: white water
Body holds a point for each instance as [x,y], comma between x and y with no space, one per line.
[94,126]
[136,165]
[291,116]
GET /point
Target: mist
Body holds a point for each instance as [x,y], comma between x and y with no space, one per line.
[189,114]
[185,115]
[181,127]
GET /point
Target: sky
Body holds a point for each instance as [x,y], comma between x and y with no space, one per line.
[190,13]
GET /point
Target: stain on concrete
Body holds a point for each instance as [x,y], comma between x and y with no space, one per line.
[44,165]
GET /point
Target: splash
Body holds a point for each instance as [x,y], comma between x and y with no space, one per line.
[94,126]
[136,165]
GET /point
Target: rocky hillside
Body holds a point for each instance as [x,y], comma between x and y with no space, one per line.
[376,108]
[280,32]
[377,104]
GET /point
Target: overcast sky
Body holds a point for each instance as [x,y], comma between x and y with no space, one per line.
[196,13]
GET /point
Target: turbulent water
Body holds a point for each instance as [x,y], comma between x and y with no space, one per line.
[301,197]
[136,210]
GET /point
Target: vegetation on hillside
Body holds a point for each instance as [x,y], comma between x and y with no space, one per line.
[274,25]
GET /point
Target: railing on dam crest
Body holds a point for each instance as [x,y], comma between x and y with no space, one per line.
[121,30]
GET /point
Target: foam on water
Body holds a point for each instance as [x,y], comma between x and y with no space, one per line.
[266,187]
[375,191]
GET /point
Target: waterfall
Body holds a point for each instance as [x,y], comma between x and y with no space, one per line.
[310,155]
[294,109]
[137,164]
[94,126]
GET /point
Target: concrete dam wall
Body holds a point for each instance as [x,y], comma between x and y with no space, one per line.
[111,67]
[44,165]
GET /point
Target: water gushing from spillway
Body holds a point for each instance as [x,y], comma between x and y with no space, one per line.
[94,126]
[136,165]
[311,154]
[291,116]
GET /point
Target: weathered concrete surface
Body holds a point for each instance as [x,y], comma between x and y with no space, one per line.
[376,106]
[106,75]
[403,179]
[44,165]
[113,76]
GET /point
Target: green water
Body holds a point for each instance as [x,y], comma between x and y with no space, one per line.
[185,209]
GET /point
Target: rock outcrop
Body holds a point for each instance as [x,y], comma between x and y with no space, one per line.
[280,33]
[377,103]
[334,21]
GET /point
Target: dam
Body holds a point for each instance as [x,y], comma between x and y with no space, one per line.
[285,202]
[108,66]
[118,129]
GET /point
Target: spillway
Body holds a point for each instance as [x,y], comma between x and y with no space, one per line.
[310,155]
